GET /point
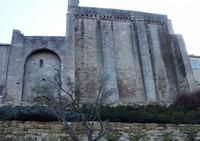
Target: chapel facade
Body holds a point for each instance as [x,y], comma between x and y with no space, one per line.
[142,57]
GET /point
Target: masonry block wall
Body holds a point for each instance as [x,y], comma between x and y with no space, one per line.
[33,58]
[142,58]
[54,131]
[140,53]
[4,55]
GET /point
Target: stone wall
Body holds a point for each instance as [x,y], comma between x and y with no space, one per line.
[20,66]
[144,60]
[4,55]
[40,131]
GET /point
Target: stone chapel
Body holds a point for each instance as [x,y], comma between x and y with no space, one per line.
[144,59]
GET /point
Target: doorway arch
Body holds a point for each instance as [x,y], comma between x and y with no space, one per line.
[40,66]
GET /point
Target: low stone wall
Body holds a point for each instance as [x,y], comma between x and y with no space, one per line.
[54,131]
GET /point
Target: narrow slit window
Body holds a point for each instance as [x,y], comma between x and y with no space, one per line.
[41,63]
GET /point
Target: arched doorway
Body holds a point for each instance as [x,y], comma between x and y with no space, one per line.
[40,66]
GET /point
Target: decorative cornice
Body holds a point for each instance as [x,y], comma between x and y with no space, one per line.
[117,18]
[118,15]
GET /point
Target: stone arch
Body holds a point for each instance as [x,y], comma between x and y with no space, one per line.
[40,66]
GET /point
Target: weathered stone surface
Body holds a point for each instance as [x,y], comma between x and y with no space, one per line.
[73,3]
[159,68]
[147,70]
[4,56]
[183,68]
[130,88]
[109,64]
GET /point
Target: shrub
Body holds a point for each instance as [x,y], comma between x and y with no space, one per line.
[132,114]
[168,136]
[191,133]
[139,136]
[151,114]
[112,136]
[28,113]
[31,113]
[188,100]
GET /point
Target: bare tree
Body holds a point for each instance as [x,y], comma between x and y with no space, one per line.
[69,100]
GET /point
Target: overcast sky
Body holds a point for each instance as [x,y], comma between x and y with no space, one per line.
[48,17]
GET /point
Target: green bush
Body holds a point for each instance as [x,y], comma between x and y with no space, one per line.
[32,113]
[112,136]
[132,114]
[187,100]
[151,114]
[138,136]
[168,136]
[191,133]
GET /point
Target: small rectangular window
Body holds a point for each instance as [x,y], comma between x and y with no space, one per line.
[41,63]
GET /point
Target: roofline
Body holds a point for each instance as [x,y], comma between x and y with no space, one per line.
[194,56]
[123,10]
[4,44]
[118,13]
